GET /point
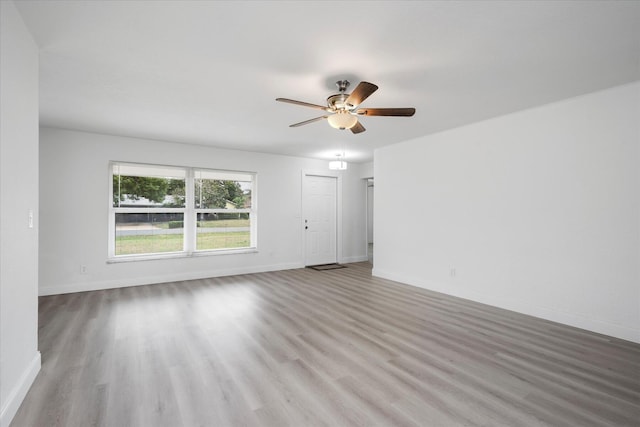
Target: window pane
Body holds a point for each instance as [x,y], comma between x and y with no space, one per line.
[148,186]
[222,190]
[222,230]
[148,233]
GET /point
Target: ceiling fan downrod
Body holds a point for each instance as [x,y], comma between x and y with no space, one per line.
[342,85]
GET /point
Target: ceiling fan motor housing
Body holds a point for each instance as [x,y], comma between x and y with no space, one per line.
[338,102]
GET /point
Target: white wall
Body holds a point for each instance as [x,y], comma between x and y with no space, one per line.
[19,357]
[366,170]
[537,212]
[74,202]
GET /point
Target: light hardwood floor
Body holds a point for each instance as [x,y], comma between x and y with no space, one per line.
[318,348]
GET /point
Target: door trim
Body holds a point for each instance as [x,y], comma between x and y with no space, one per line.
[326,174]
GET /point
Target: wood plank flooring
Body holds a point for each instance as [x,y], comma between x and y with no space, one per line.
[318,348]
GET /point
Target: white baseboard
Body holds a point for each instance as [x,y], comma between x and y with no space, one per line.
[150,280]
[18,393]
[347,260]
[576,320]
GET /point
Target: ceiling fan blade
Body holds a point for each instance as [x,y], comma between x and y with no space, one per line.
[358,128]
[304,104]
[361,93]
[400,112]
[306,122]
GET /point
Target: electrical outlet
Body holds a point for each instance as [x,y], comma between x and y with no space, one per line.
[452,272]
[83,269]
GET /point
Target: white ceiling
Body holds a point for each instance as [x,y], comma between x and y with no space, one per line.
[207,72]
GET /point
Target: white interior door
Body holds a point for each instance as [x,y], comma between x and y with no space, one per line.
[320,218]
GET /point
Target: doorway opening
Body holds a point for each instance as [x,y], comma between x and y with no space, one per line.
[369,219]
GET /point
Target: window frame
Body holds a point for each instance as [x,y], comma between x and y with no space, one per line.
[190,216]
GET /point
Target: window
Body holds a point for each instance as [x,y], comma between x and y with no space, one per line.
[222,203]
[164,210]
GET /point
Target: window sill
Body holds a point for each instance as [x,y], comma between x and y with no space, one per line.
[175,255]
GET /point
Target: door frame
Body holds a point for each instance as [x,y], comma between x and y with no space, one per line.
[326,174]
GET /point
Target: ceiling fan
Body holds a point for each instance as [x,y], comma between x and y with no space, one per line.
[343,107]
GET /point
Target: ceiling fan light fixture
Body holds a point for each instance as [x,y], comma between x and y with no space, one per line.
[338,164]
[342,120]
